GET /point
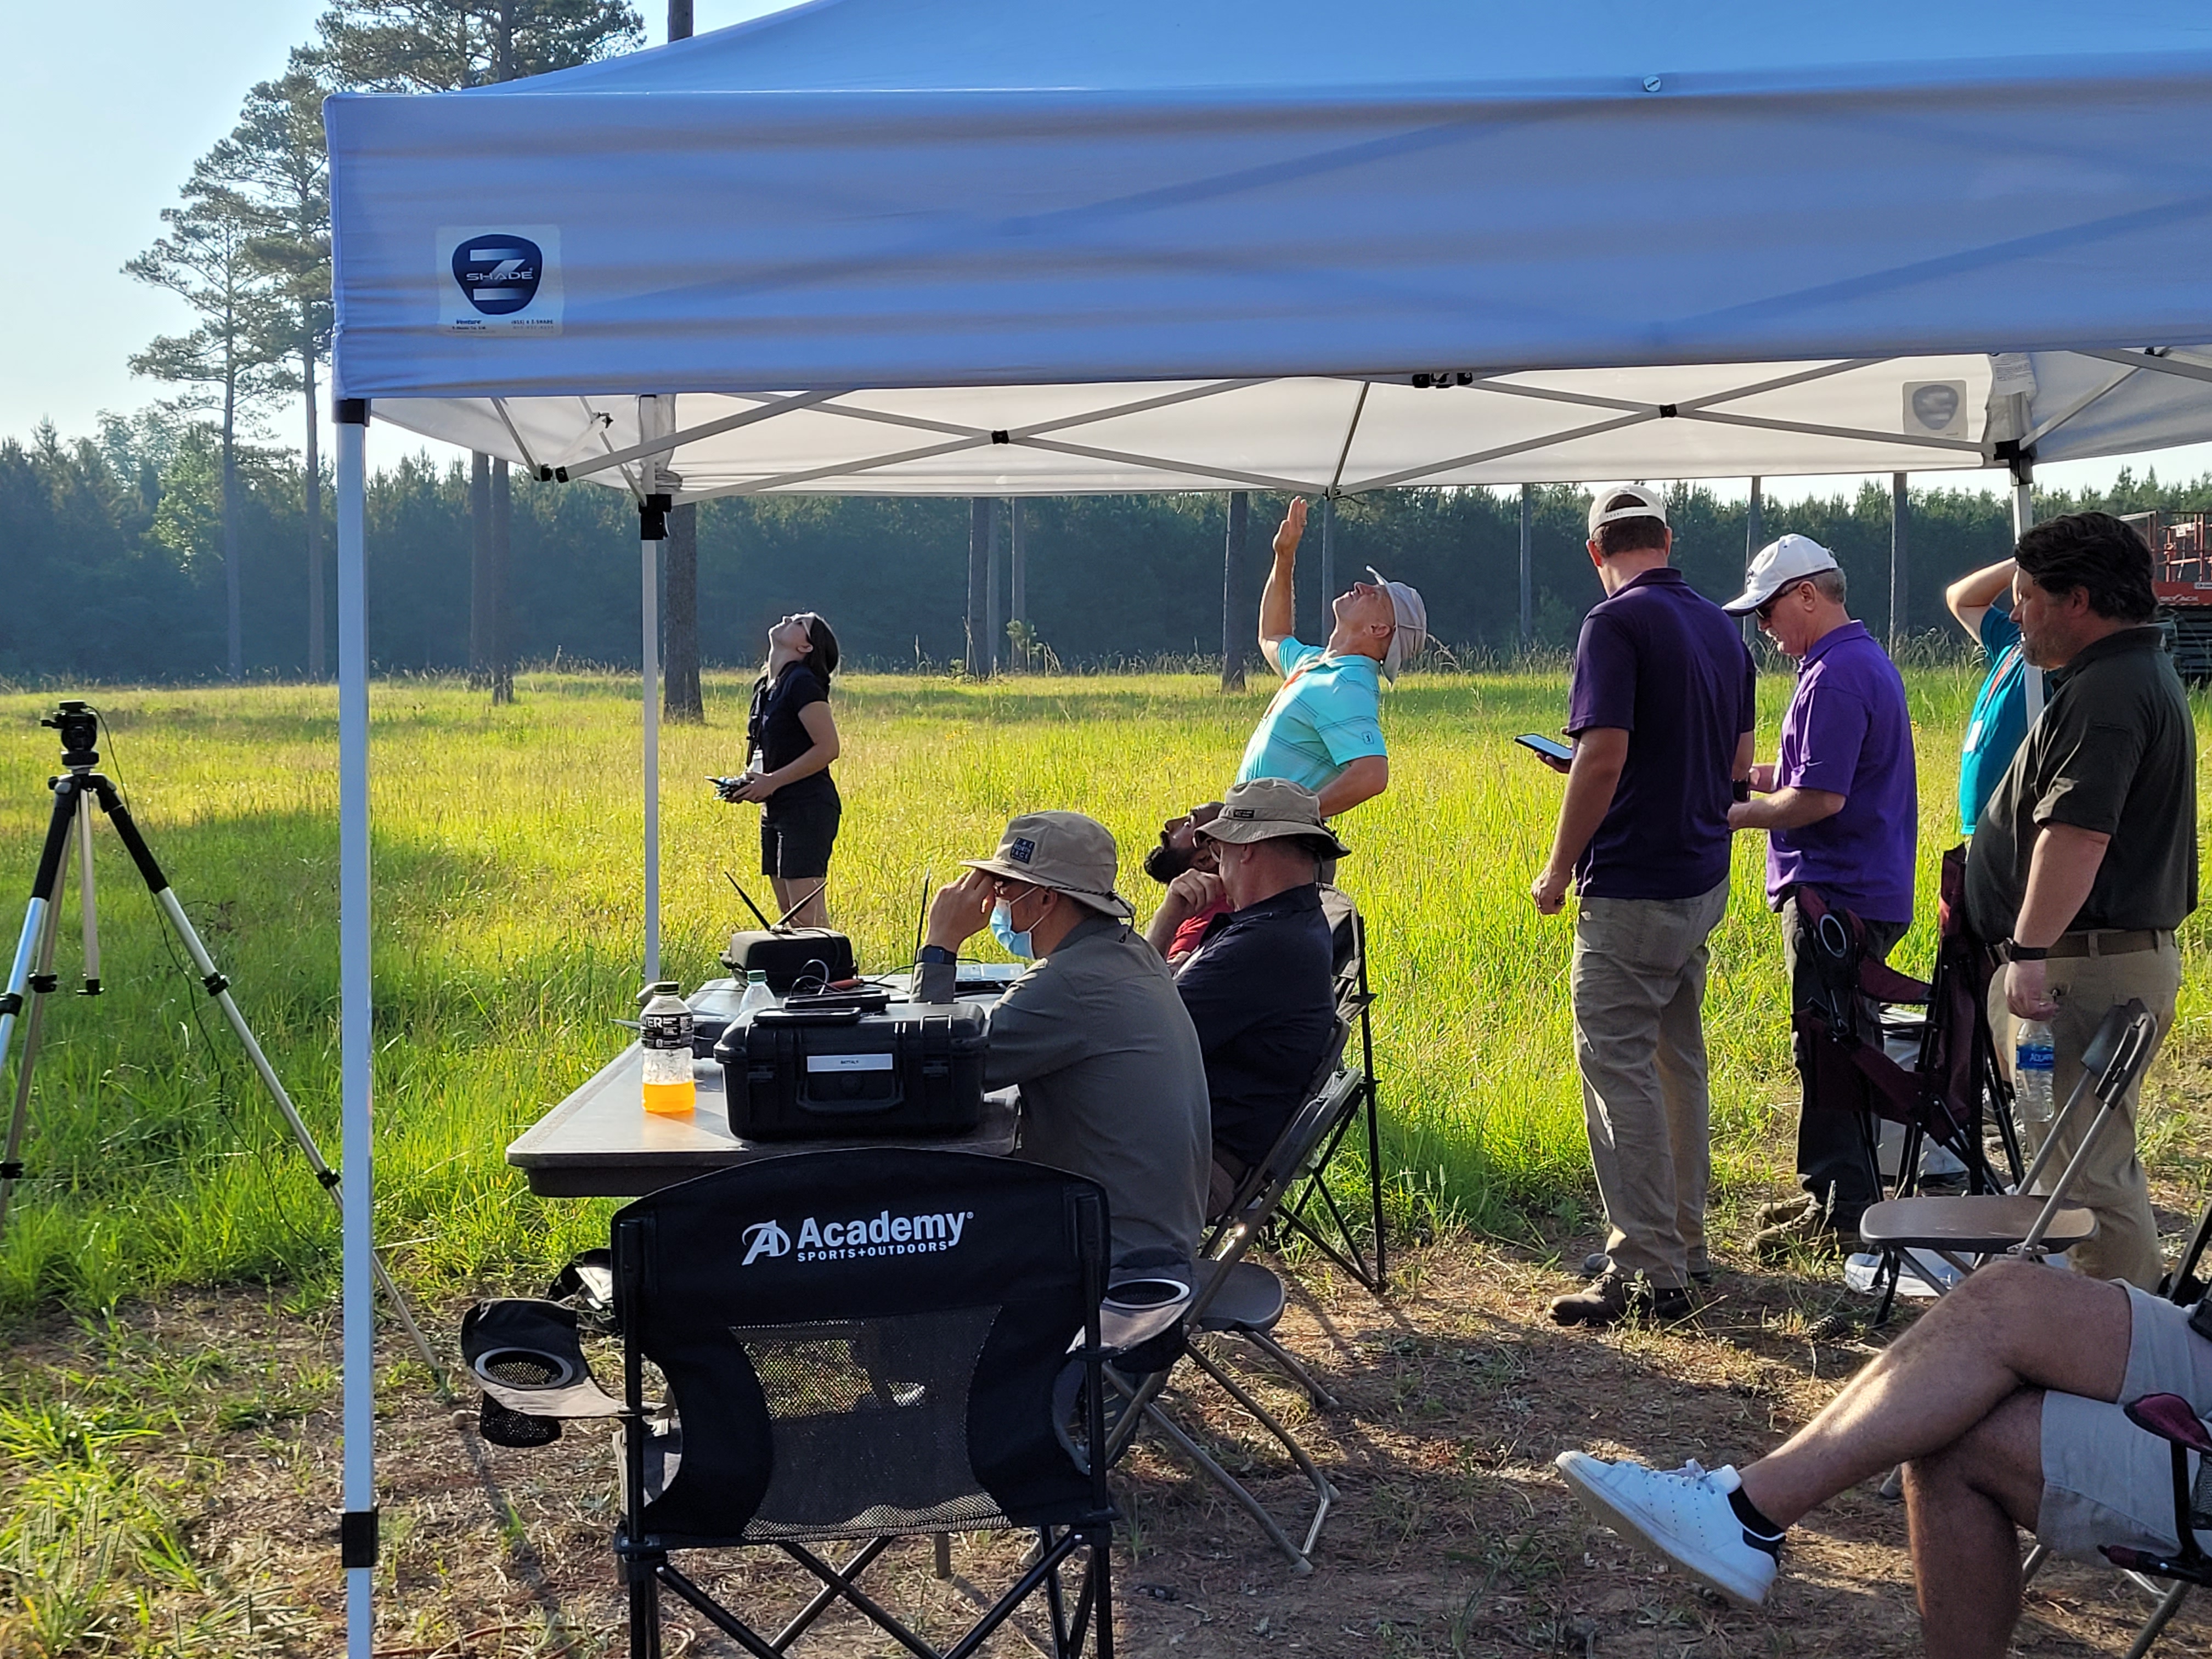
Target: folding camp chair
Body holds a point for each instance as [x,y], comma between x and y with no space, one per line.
[1235,1298]
[1313,1211]
[1953,1080]
[858,1345]
[1965,1232]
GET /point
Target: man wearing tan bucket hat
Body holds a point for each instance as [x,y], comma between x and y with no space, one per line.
[1324,728]
[1261,985]
[1113,1081]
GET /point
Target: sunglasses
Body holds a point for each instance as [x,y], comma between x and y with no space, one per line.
[1767,609]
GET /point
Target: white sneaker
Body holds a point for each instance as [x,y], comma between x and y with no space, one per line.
[1684,1515]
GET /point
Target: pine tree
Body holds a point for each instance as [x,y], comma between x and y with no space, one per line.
[276,159]
[233,361]
[440,45]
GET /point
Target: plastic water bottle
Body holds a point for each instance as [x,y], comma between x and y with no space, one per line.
[2033,1062]
[665,1034]
[757,996]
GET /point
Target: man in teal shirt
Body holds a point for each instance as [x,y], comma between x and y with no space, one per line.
[1999,721]
[1324,729]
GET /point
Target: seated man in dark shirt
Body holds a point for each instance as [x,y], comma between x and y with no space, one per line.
[1260,986]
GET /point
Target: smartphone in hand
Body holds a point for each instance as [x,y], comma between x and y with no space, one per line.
[1549,748]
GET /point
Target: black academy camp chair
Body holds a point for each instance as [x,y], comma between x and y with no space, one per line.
[857,1345]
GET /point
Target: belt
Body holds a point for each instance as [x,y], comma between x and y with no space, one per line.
[2111,941]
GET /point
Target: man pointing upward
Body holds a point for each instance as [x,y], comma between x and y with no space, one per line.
[1324,728]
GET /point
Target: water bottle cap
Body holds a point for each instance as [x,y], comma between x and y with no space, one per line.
[757,976]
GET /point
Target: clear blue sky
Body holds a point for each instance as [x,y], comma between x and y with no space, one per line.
[102,111]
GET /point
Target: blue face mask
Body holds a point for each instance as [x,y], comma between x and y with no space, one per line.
[1002,929]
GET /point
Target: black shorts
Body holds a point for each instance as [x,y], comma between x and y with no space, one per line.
[796,837]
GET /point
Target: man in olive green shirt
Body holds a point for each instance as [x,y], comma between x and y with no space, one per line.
[1095,1035]
[2084,860]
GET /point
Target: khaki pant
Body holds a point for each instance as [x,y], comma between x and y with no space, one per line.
[1639,983]
[2112,1183]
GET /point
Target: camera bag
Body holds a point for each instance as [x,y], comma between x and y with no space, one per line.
[909,1069]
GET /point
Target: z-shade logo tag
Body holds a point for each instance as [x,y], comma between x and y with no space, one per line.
[498,274]
[499,279]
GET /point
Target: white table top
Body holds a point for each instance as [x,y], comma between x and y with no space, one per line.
[601,1143]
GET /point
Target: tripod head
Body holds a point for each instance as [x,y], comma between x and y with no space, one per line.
[79,724]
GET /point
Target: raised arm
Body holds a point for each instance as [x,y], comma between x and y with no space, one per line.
[1974,594]
[1277,612]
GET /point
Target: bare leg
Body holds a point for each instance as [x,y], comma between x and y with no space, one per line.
[815,913]
[2013,1325]
[1962,1505]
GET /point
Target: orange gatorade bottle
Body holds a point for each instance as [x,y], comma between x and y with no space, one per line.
[665,1034]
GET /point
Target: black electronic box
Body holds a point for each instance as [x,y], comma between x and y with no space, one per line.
[909,1069]
[809,958]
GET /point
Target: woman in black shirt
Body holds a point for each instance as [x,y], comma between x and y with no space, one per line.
[790,740]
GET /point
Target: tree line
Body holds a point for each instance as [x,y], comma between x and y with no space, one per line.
[153,551]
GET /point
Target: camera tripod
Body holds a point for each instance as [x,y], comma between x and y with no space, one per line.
[75,793]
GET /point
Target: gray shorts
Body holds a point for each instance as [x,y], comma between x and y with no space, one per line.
[2105,1480]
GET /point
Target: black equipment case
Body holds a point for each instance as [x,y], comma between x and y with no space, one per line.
[909,1069]
[791,957]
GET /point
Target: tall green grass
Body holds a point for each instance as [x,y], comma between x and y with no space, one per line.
[508,920]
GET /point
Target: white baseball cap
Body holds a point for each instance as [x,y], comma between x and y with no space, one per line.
[1779,564]
[1626,501]
[1410,614]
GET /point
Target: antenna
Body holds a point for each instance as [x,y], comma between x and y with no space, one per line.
[803,904]
[920,917]
[750,905]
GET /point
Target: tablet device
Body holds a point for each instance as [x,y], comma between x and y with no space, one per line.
[1546,746]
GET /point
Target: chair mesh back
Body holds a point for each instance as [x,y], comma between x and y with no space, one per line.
[869,1425]
[863,1342]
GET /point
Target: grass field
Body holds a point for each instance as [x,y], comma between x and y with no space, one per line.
[507,917]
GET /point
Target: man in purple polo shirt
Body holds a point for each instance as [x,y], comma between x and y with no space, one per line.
[1660,706]
[1841,808]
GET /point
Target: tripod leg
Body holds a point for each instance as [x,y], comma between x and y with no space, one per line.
[85,898]
[218,986]
[42,985]
[36,942]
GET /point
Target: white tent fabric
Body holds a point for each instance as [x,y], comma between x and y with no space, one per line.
[1349,436]
[942,246]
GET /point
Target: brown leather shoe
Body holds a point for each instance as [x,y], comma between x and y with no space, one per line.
[1613,1295]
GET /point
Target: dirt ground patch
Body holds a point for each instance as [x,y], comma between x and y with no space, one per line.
[1451,1535]
[215,1415]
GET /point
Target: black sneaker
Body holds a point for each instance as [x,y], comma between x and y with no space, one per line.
[1613,1295]
[1597,1262]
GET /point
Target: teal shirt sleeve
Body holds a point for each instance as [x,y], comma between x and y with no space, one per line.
[1292,654]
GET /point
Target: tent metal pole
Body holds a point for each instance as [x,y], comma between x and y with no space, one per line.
[1018,574]
[1233,619]
[652,527]
[1901,524]
[1327,561]
[2023,520]
[357,1524]
[1527,566]
[994,626]
[1753,539]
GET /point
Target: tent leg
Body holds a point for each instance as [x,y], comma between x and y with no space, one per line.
[358,1529]
[652,527]
[2023,520]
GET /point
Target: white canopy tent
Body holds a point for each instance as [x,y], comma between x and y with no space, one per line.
[977,247]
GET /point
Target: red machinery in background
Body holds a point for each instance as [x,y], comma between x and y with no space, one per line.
[2181,576]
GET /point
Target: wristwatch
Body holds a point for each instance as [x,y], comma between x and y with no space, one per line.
[936,955]
[2015,952]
